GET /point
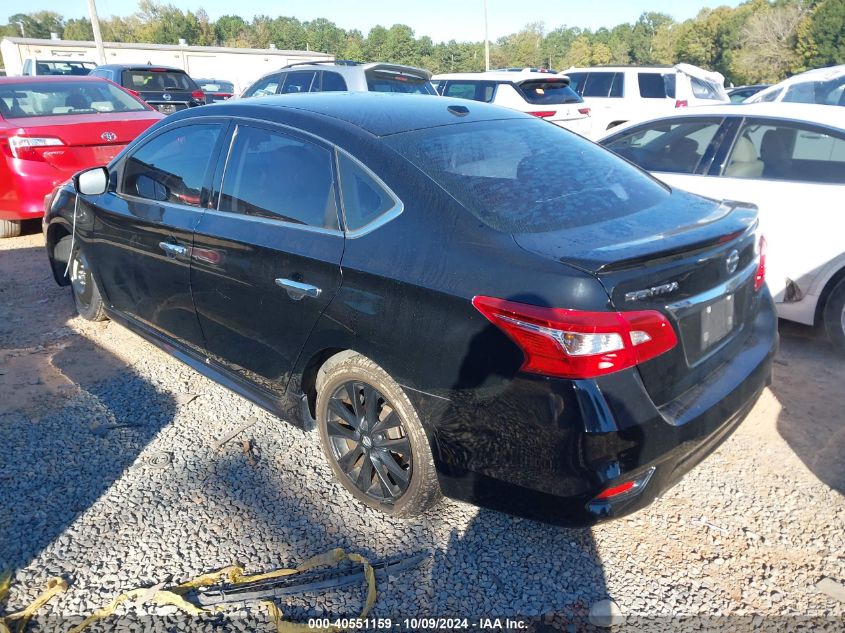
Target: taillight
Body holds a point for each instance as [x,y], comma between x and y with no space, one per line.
[578,344]
[543,114]
[199,95]
[681,103]
[31,147]
[134,93]
[760,276]
[583,110]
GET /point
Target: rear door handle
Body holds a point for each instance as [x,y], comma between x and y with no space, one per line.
[173,250]
[297,290]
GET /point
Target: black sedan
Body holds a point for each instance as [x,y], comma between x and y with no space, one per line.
[462,299]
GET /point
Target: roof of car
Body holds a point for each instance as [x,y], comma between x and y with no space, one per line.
[817,74]
[830,116]
[39,79]
[153,67]
[346,66]
[378,113]
[494,75]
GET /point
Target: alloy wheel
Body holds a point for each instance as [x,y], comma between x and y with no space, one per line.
[80,278]
[369,441]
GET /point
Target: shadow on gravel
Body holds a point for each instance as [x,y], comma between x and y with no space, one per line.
[809,376]
[73,417]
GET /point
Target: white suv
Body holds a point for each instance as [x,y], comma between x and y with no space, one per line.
[342,75]
[544,95]
[618,94]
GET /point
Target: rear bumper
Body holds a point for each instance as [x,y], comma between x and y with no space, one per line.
[582,126]
[23,186]
[545,449]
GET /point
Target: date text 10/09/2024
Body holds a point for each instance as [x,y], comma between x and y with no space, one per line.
[419,624]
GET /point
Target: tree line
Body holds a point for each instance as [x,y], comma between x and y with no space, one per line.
[758,41]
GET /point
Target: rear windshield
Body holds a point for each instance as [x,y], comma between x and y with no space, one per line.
[64,97]
[528,176]
[64,68]
[157,80]
[548,92]
[386,81]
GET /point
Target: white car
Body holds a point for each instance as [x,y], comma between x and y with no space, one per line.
[786,158]
[618,94]
[60,67]
[825,86]
[544,95]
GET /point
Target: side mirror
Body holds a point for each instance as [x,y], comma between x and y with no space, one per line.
[92,182]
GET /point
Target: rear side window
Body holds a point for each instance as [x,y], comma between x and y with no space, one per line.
[299,81]
[666,146]
[652,85]
[526,176]
[364,198]
[272,175]
[548,92]
[821,92]
[333,82]
[263,87]
[473,90]
[157,80]
[391,81]
[172,166]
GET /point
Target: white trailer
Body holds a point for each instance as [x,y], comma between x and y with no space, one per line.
[241,66]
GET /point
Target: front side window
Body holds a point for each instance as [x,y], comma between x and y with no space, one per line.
[821,92]
[263,87]
[787,151]
[298,81]
[652,85]
[667,146]
[526,176]
[52,98]
[272,175]
[598,84]
[364,198]
[172,166]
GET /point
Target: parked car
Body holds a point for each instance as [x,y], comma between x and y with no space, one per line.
[61,67]
[789,160]
[522,70]
[739,94]
[539,94]
[342,75]
[166,89]
[52,127]
[523,320]
[617,94]
[823,86]
[216,89]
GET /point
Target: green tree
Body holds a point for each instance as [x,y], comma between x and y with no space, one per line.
[827,33]
[78,29]
[228,28]
[643,34]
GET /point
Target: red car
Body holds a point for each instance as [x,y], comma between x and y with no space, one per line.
[52,127]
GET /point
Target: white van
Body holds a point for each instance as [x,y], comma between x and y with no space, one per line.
[618,94]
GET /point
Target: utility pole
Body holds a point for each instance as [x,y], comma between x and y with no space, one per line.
[95,26]
[486,40]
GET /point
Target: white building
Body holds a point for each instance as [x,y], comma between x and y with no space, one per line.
[238,65]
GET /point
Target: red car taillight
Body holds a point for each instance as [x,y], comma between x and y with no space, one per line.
[583,110]
[199,95]
[31,147]
[681,103]
[760,276]
[578,344]
[543,114]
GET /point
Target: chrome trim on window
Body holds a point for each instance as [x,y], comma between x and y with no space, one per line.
[273,221]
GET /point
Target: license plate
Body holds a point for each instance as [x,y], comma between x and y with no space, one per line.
[166,108]
[717,320]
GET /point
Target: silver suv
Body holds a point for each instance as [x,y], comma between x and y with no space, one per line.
[342,75]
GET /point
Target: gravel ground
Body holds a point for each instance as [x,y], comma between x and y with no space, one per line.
[110,477]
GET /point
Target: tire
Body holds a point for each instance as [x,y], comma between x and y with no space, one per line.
[86,295]
[834,316]
[9,228]
[384,440]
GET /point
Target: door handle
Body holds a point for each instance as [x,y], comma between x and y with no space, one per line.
[297,290]
[173,250]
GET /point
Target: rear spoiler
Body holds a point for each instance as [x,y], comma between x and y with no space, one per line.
[396,69]
[543,77]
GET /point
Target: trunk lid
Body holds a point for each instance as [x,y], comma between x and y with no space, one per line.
[690,258]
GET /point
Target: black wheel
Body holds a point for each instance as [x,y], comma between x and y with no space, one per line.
[834,316]
[10,228]
[86,296]
[373,438]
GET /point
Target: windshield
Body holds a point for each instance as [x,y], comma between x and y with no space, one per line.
[64,97]
[63,68]
[157,80]
[528,176]
[545,92]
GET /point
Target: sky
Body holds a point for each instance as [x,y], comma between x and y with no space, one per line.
[442,20]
